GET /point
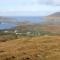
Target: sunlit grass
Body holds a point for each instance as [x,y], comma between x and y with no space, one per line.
[31,48]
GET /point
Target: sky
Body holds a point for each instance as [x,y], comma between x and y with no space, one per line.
[28,7]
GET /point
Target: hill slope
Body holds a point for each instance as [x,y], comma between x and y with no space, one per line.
[55,14]
[35,48]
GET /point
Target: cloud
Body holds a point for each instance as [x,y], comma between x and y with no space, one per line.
[29,10]
[47,2]
[57,2]
[7,0]
[28,7]
[22,2]
[50,2]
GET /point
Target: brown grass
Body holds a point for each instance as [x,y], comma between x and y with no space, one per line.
[27,48]
[51,28]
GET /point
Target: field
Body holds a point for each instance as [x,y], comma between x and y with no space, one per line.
[31,48]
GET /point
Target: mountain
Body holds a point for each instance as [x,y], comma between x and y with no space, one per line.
[52,19]
[52,22]
[55,14]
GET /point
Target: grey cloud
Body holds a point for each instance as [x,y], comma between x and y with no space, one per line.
[49,2]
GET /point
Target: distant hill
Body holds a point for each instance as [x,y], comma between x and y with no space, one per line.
[52,22]
[16,19]
[7,19]
[55,14]
[10,21]
[52,19]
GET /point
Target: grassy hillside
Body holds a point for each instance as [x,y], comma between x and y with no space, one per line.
[40,27]
[31,48]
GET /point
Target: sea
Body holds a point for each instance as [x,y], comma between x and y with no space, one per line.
[33,19]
